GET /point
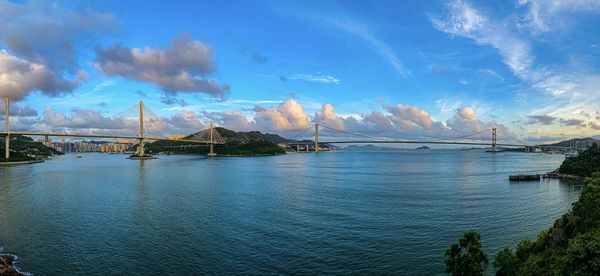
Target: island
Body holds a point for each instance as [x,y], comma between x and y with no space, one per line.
[250,143]
[423,148]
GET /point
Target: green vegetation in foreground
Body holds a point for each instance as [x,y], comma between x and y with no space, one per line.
[584,164]
[466,256]
[23,148]
[570,247]
[236,143]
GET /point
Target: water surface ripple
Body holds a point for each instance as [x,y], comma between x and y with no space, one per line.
[338,212]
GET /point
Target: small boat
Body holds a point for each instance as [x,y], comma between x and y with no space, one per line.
[79,156]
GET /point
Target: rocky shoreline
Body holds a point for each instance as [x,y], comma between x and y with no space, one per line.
[7,266]
[555,174]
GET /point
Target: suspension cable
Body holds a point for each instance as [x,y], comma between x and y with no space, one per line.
[355,134]
[468,135]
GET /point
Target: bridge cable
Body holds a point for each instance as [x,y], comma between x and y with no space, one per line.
[355,134]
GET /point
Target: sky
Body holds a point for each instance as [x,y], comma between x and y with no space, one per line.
[401,69]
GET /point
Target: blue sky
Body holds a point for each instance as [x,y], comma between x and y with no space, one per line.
[433,69]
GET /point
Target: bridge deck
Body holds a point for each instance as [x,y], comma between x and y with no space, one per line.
[408,142]
[107,136]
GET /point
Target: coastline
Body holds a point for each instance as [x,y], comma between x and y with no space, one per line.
[14,163]
[556,175]
[8,266]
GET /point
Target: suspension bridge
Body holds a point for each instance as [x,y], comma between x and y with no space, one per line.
[358,138]
[209,137]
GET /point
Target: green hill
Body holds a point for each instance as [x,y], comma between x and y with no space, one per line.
[236,143]
[572,245]
[584,164]
[23,148]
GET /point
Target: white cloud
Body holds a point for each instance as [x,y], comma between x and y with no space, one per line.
[288,116]
[381,47]
[19,78]
[181,67]
[466,21]
[328,79]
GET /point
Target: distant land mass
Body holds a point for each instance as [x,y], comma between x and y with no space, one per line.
[423,148]
[236,144]
[574,142]
[366,147]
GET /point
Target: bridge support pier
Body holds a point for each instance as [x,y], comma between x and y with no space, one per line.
[7,129]
[141,151]
[211,152]
[316,137]
[494,139]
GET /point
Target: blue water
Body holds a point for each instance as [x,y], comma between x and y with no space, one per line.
[333,212]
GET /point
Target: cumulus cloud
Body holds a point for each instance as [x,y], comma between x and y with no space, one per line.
[43,40]
[327,116]
[182,67]
[467,113]
[289,115]
[19,77]
[230,119]
[86,118]
[184,122]
[408,116]
[47,33]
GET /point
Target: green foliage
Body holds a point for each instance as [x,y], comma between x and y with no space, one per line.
[583,254]
[237,143]
[586,163]
[570,247]
[595,175]
[505,263]
[250,148]
[16,157]
[22,147]
[466,256]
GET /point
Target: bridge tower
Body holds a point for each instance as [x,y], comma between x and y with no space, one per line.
[7,130]
[141,144]
[211,152]
[316,138]
[494,139]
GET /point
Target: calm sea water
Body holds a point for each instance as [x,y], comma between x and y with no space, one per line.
[337,212]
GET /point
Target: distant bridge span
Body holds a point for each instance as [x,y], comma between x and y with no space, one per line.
[378,140]
[409,142]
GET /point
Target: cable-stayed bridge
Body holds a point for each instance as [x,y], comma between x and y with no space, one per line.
[209,137]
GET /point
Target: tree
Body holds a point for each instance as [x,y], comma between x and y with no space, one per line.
[466,257]
[583,254]
[506,263]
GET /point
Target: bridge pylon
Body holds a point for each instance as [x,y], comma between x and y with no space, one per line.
[7,130]
[141,151]
[316,138]
[494,139]
[211,152]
